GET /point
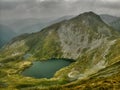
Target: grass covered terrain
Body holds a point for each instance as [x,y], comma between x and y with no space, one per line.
[86,39]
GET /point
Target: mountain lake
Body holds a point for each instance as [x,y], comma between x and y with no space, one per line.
[45,69]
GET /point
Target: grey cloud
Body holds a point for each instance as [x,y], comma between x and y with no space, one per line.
[7,6]
[56,8]
[111,5]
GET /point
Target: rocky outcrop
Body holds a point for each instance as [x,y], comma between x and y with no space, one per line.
[86,38]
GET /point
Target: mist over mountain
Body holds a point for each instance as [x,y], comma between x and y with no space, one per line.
[6,34]
[59,44]
[112,21]
[10,28]
[87,39]
[30,25]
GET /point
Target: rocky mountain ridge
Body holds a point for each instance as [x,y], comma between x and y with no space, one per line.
[86,39]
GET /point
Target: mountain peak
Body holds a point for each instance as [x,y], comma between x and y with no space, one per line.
[89,18]
[86,39]
[89,14]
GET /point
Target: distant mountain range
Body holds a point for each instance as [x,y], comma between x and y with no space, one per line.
[12,28]
[30,25]
[6,34]
[86,39]
[112,21]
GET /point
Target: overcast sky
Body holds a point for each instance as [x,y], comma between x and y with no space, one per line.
[10,9]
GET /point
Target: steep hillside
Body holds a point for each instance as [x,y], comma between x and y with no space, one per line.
[69,37]
[91,43]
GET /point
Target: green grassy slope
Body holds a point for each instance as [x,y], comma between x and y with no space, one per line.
[93,45]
